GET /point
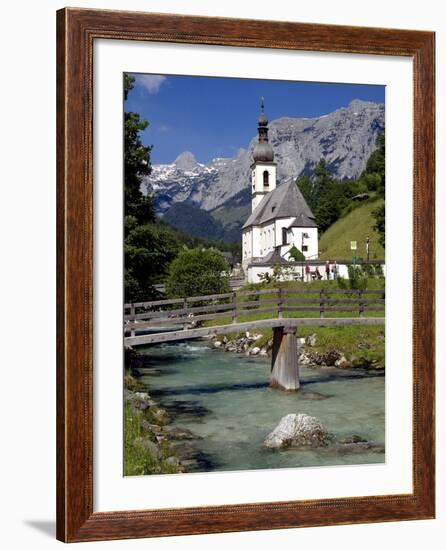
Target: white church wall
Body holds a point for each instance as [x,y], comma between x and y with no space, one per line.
[279,225]
[256,242]
[246,248]
[311,242]
[253,272]
[267,239]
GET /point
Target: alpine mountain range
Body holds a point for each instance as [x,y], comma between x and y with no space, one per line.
[213,200]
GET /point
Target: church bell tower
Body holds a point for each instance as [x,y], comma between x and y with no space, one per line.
[263,168]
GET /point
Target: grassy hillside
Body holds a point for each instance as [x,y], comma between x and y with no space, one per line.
[355,226]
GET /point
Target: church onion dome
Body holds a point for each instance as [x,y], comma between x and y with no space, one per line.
[263,152]
[263,121]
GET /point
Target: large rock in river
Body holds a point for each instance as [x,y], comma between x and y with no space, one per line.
[297,430]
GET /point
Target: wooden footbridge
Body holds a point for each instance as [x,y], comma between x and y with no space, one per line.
[282,309]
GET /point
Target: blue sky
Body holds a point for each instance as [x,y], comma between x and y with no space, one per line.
[214,117]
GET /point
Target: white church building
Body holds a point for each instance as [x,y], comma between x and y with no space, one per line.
[280,217]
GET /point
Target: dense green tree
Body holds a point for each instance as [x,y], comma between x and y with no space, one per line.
[140,244]
[326,196]
[136,163]
[196,272]
[307,188]
[329,198]
[380,224]
[374,176]
[148,251]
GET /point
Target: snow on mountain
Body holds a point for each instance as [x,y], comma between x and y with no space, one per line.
[345,138]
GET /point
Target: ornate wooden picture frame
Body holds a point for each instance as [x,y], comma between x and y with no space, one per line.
[77,29]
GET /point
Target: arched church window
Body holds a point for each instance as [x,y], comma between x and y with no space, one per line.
[284,235]
[266,178]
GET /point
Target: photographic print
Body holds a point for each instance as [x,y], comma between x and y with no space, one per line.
[254,257]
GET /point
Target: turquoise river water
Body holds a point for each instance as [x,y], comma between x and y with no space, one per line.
[224,398]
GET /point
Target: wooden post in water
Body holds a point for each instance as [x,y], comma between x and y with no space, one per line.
[285,360]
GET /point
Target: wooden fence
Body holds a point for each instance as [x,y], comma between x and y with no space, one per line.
[234,306]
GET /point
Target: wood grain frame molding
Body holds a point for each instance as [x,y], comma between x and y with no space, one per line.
[76,31]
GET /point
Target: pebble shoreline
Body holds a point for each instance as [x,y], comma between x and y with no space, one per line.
[307,356]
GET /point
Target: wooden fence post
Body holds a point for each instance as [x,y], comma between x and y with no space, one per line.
[361,304]
[234,307]
[132,314]
[185,307]
[321,304]
[279,302]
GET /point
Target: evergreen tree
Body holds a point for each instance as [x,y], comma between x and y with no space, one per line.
[326,196]
[374,176]
[329,198]
[140,274]
[136,163]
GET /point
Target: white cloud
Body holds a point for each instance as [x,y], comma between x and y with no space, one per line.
[164,128]
[151,82]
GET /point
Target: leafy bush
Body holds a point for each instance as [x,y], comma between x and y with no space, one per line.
[368,270]
[296,254]
[357,279]
[196,272]
[279,273]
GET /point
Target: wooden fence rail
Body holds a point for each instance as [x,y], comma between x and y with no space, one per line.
[235,305]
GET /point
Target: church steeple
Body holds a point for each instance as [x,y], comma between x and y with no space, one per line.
[262,150]
[263,168]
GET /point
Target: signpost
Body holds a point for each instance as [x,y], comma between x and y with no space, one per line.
[353,248]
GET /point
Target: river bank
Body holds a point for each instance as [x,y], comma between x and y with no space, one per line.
[151,444]
[348,347]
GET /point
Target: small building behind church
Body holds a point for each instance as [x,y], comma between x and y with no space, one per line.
[280,219]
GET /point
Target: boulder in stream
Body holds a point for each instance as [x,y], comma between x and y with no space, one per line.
[297,430]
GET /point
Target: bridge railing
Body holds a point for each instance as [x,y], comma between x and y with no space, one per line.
[233,307]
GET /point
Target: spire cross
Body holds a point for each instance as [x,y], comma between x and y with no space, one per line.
[262,106]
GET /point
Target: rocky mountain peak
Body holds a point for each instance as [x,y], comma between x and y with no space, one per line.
[345,138]
[186,161]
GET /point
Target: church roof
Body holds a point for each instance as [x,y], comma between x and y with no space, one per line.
[286,201]
[274,257]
